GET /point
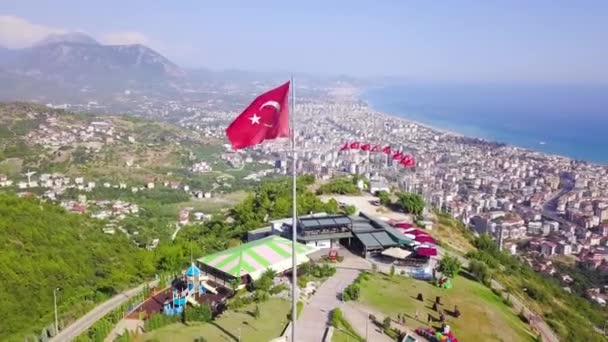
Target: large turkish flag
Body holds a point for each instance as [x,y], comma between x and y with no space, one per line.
[267,117]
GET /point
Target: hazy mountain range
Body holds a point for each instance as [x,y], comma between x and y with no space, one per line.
[68,67]
[76,62]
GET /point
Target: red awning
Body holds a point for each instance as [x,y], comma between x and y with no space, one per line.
[426,251]
[425,238]
[403,225]
[416,231]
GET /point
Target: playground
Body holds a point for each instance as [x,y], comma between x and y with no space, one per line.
[192,288]
[473,311]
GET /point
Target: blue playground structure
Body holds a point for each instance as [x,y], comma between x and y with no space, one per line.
[184,291]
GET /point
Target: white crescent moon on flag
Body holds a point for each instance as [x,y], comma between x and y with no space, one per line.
[274,104]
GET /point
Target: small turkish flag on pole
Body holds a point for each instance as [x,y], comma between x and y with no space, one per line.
[267,117]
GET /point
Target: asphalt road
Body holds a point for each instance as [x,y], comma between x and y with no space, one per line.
[83,323]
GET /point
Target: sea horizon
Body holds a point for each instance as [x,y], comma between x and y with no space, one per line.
[561,120]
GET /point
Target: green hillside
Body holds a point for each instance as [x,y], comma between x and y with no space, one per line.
[43,248]
[572,317]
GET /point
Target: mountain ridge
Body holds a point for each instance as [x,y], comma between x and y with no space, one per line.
[75,61]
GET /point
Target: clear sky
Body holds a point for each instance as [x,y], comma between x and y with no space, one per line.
[549,41]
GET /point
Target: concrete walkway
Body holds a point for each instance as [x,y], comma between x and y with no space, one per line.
[311,325]
[359,319]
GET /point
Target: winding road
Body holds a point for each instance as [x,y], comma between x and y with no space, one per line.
[85,322]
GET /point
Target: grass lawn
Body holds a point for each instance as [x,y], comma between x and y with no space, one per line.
[270,324]
[484,316]
[344,332]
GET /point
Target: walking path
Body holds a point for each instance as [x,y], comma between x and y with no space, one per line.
[83,323]
[315,315]
[359,319]
[536,321]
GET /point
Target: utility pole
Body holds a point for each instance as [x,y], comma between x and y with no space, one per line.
[55,306]
[366,334]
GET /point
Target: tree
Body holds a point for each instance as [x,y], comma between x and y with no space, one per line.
[340,185]
[265,281]
[450,266]
[383,197]
[411,203]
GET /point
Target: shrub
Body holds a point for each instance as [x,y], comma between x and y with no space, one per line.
[239,302]
[159,320]
[256,312]
[386,323]
[480,270]
[392,272]
[201,313]
[278,289]
[351,292]
[302,281]
[392,333]
[260,296]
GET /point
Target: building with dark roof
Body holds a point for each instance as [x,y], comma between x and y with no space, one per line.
[322,231]
[363,234]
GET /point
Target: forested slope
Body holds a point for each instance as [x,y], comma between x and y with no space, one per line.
[43,248]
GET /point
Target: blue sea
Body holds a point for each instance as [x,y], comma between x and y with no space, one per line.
[564,120]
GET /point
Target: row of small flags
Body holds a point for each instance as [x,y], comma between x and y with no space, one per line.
[404,159]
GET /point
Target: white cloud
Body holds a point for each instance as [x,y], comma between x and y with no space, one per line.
[16,32]
[125,38]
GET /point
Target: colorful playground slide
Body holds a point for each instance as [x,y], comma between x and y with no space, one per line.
[209,287]
[192,301]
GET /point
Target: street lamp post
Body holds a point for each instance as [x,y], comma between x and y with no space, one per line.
[366,335]
[55,306]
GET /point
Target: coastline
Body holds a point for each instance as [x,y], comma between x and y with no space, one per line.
[440,130]
[529,147]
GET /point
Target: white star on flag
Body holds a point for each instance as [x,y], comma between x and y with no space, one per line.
[255,119]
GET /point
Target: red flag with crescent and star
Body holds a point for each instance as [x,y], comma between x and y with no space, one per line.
[387,149]
[354,145]
[366,147]
[344,147]
[267,117]
[398,155]
[375,148]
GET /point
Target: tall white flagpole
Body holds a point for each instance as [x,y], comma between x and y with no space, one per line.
[294,219]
